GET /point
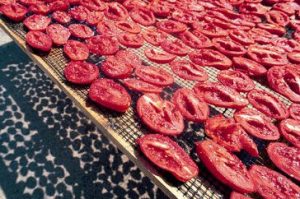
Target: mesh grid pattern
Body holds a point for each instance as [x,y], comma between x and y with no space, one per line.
[129,127]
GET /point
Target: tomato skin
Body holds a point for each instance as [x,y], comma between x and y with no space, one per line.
[236,195]
[257,124]
[220,95]
[167,156]
[61,17]
[15,12]
[197,40]
[141,86]
[171,26]
[109,94]
[294,111]
[103,44]
[168,120]
[156,76]
[249,67]
[143,16]
[116,11]
[131,40]
[190,106]
[76,50]
[229,47]
[272,185]
[225,166]
[154,36]
[236,80]
[39,40]
[158,56]
[210,58]
[80,72]
[290,129]
[113,68]
[176,47]
[37,22]
[277,17]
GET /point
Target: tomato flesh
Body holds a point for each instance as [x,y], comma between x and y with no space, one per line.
[156,76]
[37,22]
[290,129]
[154,36]
[76,50]
[114,68]
[103,44]
[143,16]
[141,86]
[61,17]
[39,40]
[175,47]
[158,56]
[249,67]
[58,33]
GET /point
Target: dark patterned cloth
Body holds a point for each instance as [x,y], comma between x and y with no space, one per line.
[49,149]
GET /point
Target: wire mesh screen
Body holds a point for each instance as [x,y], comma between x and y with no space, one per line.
[129,127]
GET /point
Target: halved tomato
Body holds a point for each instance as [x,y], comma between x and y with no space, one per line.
[190,106]
[183,16]
[262,36]
[37,22]
[196,40]
[272,28]
[286,7]
[229,47]
[273,185]
[79,13]
[114,68]
[189,71]
[294,57]
[229,134]
[15,12]
[81,31]
[277,17]
[287,44]
[39,40]
[290,129]
[81,72]
[168,155]
[131,4]
[40,8]
[210,58]
[236,80]
[249,66]
[76,50]
[294,110]
[59,5]
[106,28]
[61,17]
[143,16]
[94,17]
[236,195]
[129,27]
[241,37]
[97,5]
[58,33]
[171,26]
[116,11]
[161,9]
[131,40]
[210,30]
[253,8]
[251,18]
[109,94]
[158,56]
[141,86]
[154,36]
[156,76]
[175,47]
[168,120]
[220,95]
[225,166]
[257,124]
[129,58]
[103,44]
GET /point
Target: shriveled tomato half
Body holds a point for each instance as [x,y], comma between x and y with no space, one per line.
[286,7]
[253,8]
[94,17]
[189,71]
[251,18]
[249,66]
[286,158]
[58,33]
[106,28]
[143,16]
[81,72]
[168,120]
[109,94]
[59,5]
[76,50]
[175,47]
[129,58]
[15,12]
[159,56]
[103,44]
[37,22]
[81,31]
[39,40]
[220,95]
[156,76]
[285,80]
[294,110]
[257,124]
[131,40]
[190,106]
[131,4]
[211,30]
[225,166]
[40,8]
[268,104]
[229,47]
[79,13]
[28,2]
[6,2]
[171,26]
[154,36]
[236,80]
[129,27]
[236,195]
[183,16]
[241,37]
[294,57]
[116,11]
[272,28]
[97,5]
[290,129]
[287,44]
[267,55]
[211,58]
[273,185]
[168,155]
[196,40]
[141,86]
[229,134]
[61,17]
[161,9]
[262,36]
[277,17]
[114,68]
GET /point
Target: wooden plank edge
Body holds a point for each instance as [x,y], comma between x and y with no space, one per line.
[145,167]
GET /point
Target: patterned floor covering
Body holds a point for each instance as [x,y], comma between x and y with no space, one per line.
[49,149]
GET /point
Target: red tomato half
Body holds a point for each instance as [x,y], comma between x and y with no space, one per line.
[79,13]
[294,57]
[285,158]
[76,50]
[286,7]
[6,2]
[183,16]
[171,26]
[97,5]
[58,33]
[156,76]
[106,28]
[103,44]
[81,31]
[241,37]
[110,94]
[210,58]
[272,28]
[154,36]
[131,4]
[225,166]
[253,8]
[94,18]
[197,40]
[116,11]
[249,66]
[160,115]
[131,40]
[141,86]
[129,58]
[236,80]
[80,72]
[175,47]
[15,12]
[277,17]
[236,195]
[229,47]
[257,124]
[294,110]
[190,106]
[272,185]
[262,36]
[168,155]
[28,2]
[290,129]
[61,17]
[39,40]
[287,44]
[158,56]
[251,18]
[220,95]
[114,68]
[128,27]
[189,71]
[211,30]
[40,8]
[143,16]
[37,22]
[285,80]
